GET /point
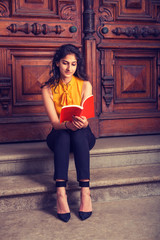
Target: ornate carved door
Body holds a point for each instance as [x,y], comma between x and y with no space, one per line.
[30,32]
[121,42]
[128,66]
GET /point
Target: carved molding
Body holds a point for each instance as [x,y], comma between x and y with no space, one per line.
[68,12]
[106,15]
[108,86]
[34,1]
[133,3]
[5,89]
[137,32]
[35,8]
[158,14]
[61,9]
[88,20]
[35,28]
[4,9]
[125,9]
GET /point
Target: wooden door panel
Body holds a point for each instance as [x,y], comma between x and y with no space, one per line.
[5,83]
[43,8]
[29,71]
[134,83]
[135,79]
[143,10]
[128,34]
[129,125]
[30,33]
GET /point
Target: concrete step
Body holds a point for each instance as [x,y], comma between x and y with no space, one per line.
[38,191]
[33,158]
[133,219]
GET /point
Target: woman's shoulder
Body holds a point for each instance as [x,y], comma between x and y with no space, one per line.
[87,89]
[85,82]
[47,90]
[87,85]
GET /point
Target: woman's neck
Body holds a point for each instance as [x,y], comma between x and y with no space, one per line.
[66,80]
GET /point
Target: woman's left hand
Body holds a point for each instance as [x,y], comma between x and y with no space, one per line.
[80,122]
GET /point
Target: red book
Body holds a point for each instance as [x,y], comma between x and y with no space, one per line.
[87,110]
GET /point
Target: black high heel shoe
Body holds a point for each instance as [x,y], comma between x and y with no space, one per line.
[62,216]
[84,215]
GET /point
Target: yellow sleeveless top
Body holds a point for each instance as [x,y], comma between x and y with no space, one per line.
[67,94]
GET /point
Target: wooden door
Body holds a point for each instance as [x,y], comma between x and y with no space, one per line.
[127,35]
[121,42]
[30,32]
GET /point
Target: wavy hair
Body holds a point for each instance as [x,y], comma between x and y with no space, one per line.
[63,51]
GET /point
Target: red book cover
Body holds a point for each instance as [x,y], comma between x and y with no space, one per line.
[87,110]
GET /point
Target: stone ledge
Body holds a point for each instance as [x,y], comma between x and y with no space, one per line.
[35,158]
[102,177]
[35,150]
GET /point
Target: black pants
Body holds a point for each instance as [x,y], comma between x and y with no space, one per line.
[62,142]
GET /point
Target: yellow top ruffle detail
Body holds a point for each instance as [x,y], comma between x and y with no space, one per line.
[67,94]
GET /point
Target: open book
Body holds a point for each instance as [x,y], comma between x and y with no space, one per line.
[87,110]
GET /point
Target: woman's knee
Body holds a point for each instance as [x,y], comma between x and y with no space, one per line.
[58,138]
[78,138]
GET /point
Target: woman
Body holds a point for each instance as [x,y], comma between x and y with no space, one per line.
[68,85]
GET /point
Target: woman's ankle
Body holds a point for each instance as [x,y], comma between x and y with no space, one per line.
[62,203]
[86,203]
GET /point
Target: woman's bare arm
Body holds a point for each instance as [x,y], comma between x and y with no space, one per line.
[50,108]
[86,90]
[51,111]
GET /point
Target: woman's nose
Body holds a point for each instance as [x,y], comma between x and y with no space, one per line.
[69,66]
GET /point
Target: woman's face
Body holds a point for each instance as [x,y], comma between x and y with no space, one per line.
[67,66]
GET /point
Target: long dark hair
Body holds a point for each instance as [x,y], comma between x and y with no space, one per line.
[61,53]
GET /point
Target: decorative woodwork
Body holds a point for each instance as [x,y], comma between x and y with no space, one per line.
[32,8]
[30,33]
[73,29]
[128,56]
[135,81]
[107,77]
[137,32]
[4,9]
[68,12]
[35,28]
[158,80]
[108,85]
[5,94]
[90,55]
[142,10]
[120,42]
[62,9]
[133,3]
[106,15]
[88,19]
[117,31]
[29,72]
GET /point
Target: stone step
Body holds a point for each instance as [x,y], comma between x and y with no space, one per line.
[31,158]
[37,191]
